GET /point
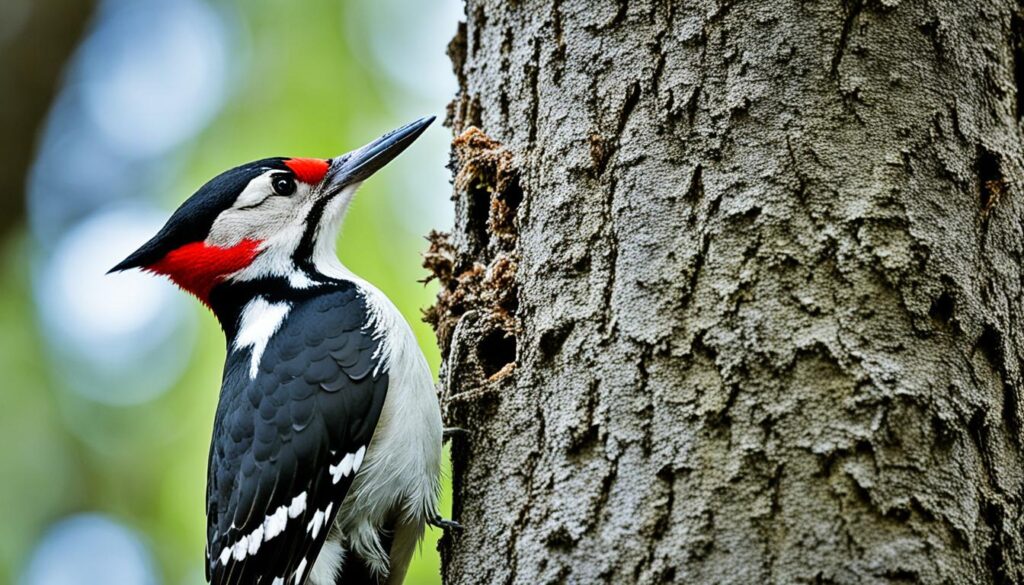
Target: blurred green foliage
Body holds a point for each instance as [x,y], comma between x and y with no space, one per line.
[298,89]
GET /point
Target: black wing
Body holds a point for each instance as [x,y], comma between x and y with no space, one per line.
[285,444]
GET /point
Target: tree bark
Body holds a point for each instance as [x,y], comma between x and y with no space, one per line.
[734,292]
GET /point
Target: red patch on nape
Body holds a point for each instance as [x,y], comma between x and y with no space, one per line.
[308,170]
[198,267]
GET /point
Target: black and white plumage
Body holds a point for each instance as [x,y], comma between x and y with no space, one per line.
[325,455]
[288,440]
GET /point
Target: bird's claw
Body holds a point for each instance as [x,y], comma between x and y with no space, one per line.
[444,524]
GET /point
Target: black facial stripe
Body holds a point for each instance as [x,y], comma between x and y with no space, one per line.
[303,255]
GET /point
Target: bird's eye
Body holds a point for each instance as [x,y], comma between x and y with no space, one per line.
[283,185]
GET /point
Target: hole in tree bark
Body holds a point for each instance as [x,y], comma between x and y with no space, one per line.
[991,345]
[552,340]
[503,209]
[990,178]
[496,350]
[479,208]
[943,307]
[513,194]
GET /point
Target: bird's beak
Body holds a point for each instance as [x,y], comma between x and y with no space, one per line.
[358,165]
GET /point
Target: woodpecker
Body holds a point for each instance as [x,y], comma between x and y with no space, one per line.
[324,464]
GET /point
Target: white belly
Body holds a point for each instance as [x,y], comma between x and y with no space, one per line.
[397,485]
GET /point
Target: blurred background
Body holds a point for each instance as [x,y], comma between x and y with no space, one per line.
[113,112]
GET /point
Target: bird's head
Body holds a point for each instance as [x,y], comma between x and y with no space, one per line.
[272,219]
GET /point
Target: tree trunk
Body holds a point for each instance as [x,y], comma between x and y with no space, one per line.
[733,293]
[37,37]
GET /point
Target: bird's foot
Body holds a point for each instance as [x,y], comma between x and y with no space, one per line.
[444,524]
[449,432]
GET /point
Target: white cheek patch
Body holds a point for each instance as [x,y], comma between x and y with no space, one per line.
[258,213]
[280,229]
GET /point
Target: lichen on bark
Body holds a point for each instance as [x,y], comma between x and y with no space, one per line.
[760,265]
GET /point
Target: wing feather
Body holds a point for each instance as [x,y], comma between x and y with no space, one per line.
[276,478]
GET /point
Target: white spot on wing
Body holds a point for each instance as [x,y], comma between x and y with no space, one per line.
[315,523]
[297,577]
[240,548]
[342,469]
[255,540]
[358,459]
[275,523]
[298,505]
[260,320]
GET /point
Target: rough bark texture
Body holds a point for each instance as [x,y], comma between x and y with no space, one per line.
[734,292]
